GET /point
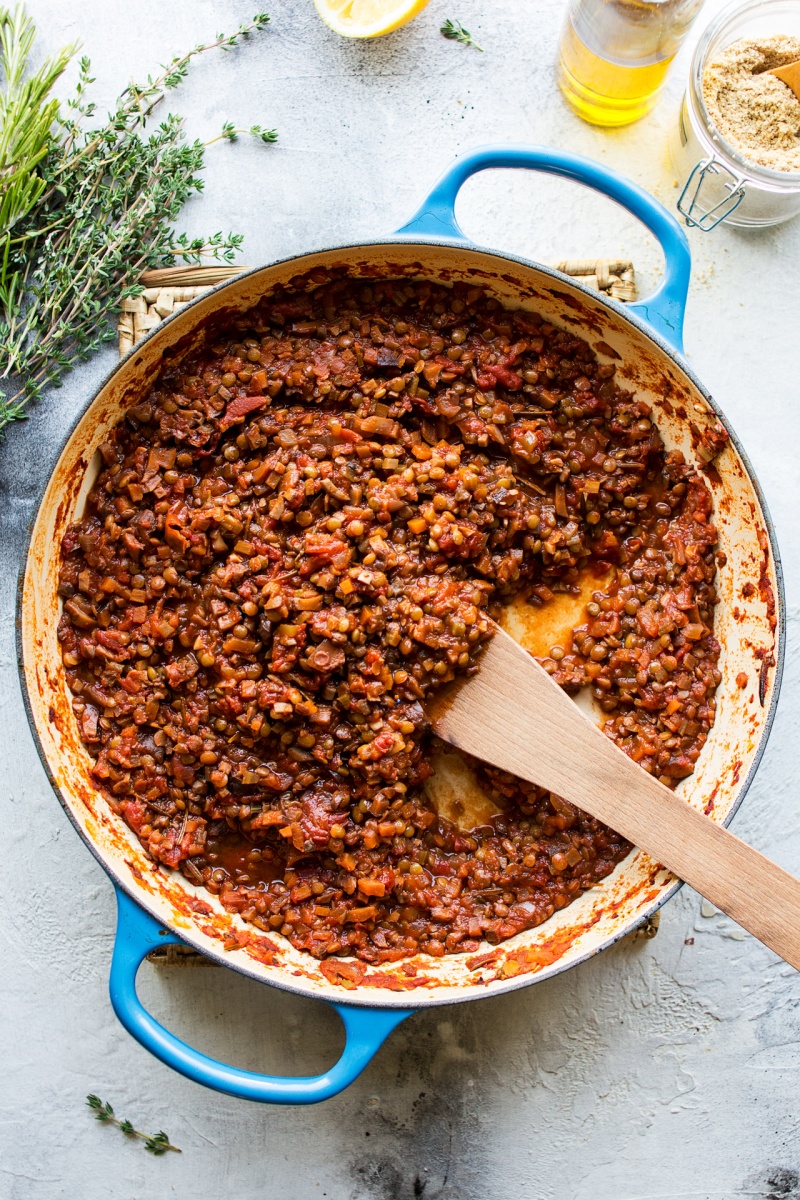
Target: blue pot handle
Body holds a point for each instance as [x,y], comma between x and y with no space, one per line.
[664,310]
[138,933]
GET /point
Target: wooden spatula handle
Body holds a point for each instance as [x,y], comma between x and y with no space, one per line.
[513,715]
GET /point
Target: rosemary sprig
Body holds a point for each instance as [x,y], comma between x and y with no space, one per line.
[107,200]
[26,116]
[456,32]
[156,1143]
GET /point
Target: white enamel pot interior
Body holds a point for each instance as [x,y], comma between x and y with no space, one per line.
[749,625]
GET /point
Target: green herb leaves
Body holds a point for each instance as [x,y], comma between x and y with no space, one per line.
[98,210]
[231,133]
[156,1143]
[26,116]
[456,32]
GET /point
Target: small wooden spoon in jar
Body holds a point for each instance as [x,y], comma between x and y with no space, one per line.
[789,74]
[513,715]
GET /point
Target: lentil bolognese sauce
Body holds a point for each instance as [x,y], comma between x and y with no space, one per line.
[301,532]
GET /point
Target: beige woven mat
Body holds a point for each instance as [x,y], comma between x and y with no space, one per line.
[169,289]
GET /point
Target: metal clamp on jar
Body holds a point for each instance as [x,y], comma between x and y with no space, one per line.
[717,183]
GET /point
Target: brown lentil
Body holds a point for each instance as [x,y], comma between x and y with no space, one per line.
[277,566]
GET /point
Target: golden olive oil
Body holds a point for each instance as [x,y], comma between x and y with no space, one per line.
[614,55]
[604,92]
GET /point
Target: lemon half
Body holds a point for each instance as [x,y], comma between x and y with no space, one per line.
[368,18]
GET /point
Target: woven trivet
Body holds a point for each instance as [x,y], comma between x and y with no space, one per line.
[169,289]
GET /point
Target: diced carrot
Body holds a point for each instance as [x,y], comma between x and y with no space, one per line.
[367,913]
[372,887]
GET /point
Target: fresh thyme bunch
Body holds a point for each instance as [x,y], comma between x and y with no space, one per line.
[107,201]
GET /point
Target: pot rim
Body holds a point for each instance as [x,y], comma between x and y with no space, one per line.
[356,998]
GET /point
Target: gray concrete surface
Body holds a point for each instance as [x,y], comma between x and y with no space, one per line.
[661,1070]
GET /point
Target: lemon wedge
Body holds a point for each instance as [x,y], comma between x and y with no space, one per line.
[368,18]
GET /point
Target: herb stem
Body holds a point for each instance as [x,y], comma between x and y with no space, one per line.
[455,32]
[231,134]
[156,1143]
[101,209]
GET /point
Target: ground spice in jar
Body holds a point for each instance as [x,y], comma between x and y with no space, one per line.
[753,110]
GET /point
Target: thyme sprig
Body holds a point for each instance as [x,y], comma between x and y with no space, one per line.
[231,134]
[156,1143]
[456,32]
[108,197]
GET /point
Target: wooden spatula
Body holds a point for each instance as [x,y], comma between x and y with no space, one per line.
[513,715]
[789,74]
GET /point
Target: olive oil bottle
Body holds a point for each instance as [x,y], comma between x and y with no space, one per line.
[614,55]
